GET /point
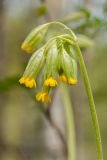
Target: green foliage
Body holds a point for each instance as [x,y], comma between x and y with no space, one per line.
[41,10]
[9,83]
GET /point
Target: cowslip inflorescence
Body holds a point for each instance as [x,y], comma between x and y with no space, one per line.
[56,60]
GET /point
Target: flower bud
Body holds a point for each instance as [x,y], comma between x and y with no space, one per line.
[34,38]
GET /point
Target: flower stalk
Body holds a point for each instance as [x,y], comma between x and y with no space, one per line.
[69,124]
[91,103]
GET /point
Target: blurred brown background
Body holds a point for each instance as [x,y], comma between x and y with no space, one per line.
[25,133]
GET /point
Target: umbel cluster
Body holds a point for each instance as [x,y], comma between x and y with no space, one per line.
[55,60]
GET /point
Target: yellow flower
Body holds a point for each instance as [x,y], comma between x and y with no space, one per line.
[72,81]
[62,78]
[28,82]
[44,97]
[50,82]
[26,48]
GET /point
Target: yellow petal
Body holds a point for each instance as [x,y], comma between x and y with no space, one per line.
[62,78]
[50,82]
[72,81]
[44,97]
[28,82]
[22,80]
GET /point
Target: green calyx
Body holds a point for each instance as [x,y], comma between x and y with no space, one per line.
[51,59]
[68,65]
[35,63]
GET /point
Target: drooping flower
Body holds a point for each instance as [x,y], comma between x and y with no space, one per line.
[31,83]
[50,82]
[43,96]
[34,38]
[32,69]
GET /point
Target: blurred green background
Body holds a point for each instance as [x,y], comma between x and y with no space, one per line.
[25,131]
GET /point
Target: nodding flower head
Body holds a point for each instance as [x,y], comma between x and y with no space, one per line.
[54,61]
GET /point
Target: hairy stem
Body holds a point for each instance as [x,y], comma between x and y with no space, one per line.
[70,124]
[91,103]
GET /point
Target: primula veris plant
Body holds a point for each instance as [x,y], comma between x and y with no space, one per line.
[57,60]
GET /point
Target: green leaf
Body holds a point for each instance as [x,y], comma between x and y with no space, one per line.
[41,10]
[9,83]
[84,41]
